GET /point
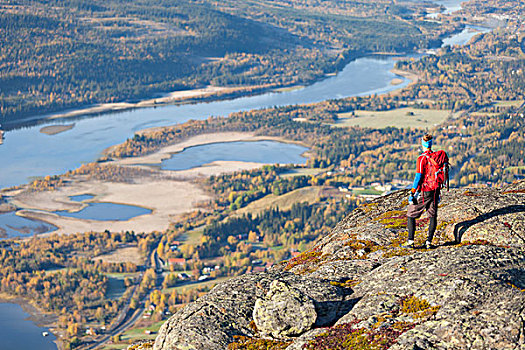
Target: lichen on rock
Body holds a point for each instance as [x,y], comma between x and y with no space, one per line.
[365,290]
[284,312]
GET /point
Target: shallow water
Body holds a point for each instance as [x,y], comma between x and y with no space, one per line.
[465,35]
[81,197]
[106,212]
[12,225]
[268,152]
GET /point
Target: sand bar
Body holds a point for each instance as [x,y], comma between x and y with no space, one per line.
[56,129]
[170,98]
[167,193]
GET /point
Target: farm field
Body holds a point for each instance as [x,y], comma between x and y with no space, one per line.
[283,202]
[401,118]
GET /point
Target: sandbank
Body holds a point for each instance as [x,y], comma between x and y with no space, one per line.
[56,129]
[396,81]
[414,78]
[170,98]
[215,168]
[166,199]
[166,193]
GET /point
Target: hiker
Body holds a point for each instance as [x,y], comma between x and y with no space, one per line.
[431,176]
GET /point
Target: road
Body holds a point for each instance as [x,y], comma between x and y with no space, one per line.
[126,319]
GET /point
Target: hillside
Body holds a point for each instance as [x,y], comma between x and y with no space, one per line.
[56,54]
[358,289]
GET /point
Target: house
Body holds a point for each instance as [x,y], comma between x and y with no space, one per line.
[177,261]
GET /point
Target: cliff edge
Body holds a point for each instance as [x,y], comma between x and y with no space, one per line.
[358,289]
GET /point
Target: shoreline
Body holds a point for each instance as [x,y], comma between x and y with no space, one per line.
[413,78]
[198,95]
[155,191]
[40,318]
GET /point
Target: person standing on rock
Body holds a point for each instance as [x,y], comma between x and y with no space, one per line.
[431,176]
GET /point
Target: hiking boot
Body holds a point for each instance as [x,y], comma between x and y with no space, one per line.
[408,244]
[429,245]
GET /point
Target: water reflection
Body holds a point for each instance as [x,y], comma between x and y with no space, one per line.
[20,333]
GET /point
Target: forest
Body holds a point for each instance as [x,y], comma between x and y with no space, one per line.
[58,55]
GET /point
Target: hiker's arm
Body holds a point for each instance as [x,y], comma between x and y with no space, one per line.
[417,180]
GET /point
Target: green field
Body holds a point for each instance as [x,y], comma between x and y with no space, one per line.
[511,168]
[283,202]
[402,118]
[367,191]
[289,88]
[193,237]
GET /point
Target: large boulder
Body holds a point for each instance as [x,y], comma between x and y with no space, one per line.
[284,312]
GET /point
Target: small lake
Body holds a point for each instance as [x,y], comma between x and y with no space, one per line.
[12,225]
[19,333]
[81,197]
[106,212]
[268,152]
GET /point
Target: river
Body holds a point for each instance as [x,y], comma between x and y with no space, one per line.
[49,155]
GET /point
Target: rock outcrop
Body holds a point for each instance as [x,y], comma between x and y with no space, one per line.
[284,312]
[359,289]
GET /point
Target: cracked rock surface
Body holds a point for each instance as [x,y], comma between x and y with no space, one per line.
[358,279]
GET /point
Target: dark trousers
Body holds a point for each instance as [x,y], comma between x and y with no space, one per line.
[411,225]
[427,202]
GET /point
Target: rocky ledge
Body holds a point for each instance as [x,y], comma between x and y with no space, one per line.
[358,289]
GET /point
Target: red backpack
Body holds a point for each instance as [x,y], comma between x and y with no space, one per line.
[436,172]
